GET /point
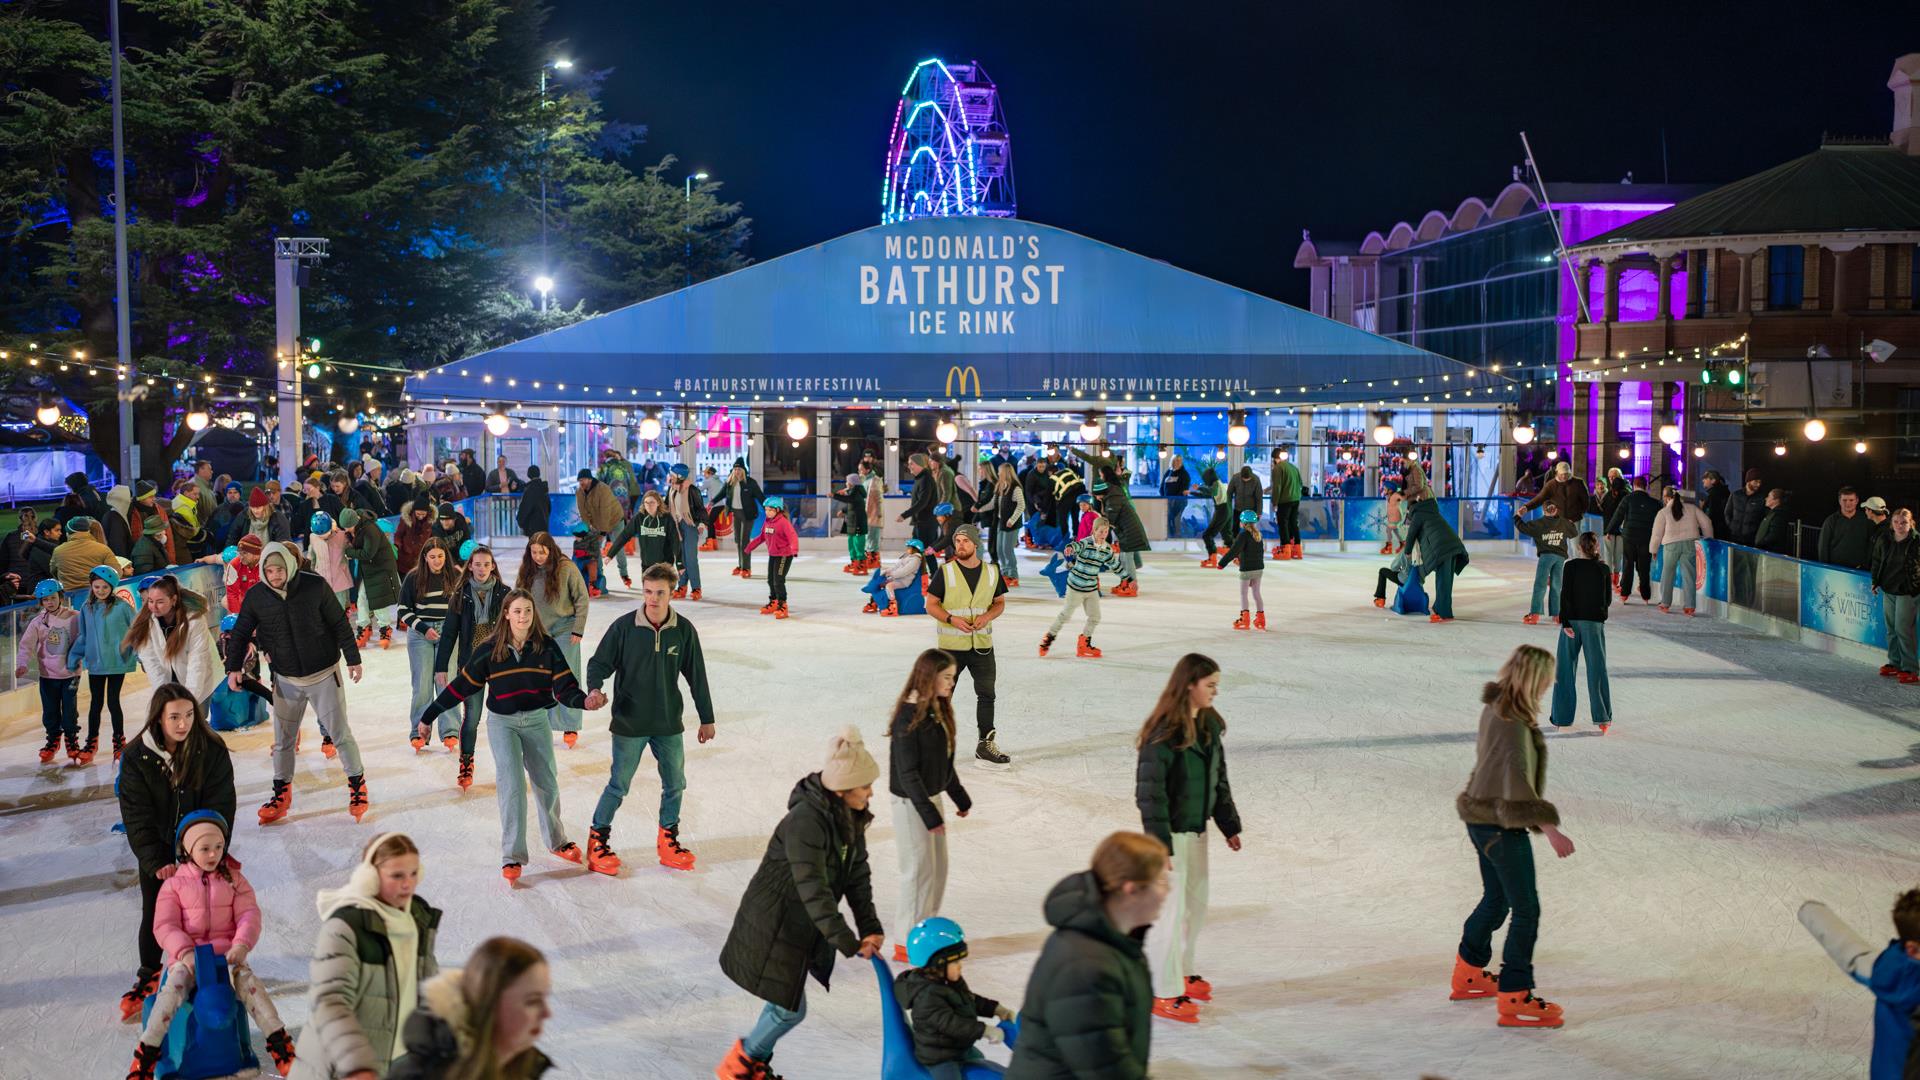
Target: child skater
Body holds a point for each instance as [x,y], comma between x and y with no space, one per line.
[104,621]
[782,545]
[1550,534]
[1246,549]
[1083,522]
[425,594]
[205,901]
[243,568]
[1893,976]
[853,496]
[898,575]
[1180,784]
[652,530]
[920,775]
[524,675]
[945,1013]
[1087,559]
[47,640]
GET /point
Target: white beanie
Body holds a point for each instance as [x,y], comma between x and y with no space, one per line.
[848,763]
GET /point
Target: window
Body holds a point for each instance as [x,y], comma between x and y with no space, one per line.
[1786,276]
[1906,449]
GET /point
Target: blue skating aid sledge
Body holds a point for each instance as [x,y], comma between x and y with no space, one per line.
[1056,572]
[209,1036]
[231,710]
[909,597]
[896,1047]
[1410,599]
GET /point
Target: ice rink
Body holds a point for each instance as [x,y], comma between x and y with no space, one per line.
[1742,776]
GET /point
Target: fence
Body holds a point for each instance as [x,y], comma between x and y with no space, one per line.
[203,578]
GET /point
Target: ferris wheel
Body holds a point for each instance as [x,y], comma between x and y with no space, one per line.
[948,154]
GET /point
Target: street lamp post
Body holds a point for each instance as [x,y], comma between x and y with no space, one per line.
[123,388]
[686,223]
[562,64]
[544,286]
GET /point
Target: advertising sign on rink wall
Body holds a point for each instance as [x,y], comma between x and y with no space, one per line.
[1841,603]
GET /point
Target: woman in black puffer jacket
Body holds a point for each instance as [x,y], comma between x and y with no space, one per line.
[481,1021]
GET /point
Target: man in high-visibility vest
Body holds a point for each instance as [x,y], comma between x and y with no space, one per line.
[964,598]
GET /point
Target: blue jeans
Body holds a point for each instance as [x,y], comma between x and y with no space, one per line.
[564,718]
[973,1061]
[670,754]
[1590,637]
[60,708]
[522,751]
[420,663]
[1678,556]
[1546,584]
[1009,552]
[1442,592]
[1899,612]
[1506,886]
[1176,506]
[774,1023]
[690,554]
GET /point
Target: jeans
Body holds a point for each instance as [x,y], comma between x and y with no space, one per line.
[1176,506]
[1899,612]
[60,708]
[1008,551]
[978,663]
[562,717]
[774,1023]
[1442,587]
[104,690]
[522,746]
[1590,637]
[972,1062]
[1678,556]
[669,754]
[1506,884]
[690,553]
[420,664]
[1546,584]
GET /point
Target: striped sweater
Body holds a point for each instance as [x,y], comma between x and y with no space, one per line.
[422,609]
[527,680]
[1086,561]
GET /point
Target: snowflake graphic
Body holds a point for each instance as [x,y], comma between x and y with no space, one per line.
[1377,521]
[1826,600]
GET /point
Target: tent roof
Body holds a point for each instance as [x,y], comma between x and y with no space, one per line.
[992,309]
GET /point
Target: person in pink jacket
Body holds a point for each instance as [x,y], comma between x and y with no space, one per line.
[46,641]
[328,546]
[205,901]
[782,545]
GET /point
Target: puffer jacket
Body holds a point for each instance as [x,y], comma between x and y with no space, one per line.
[330,558]
[1634,516]
[195,668]
[945,1015]
[1127,528]
[305,632]
[353,989]
[1693,525]
[789,923]
[1435,540]
[1181,790]
[370,547]
[96,644]
[152,802]
[441,1029]
[199,907]
[1089,1001]
[409,538]
[1509,774]
[599,509]
[778,535]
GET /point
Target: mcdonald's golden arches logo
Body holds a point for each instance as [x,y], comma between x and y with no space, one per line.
[963,374]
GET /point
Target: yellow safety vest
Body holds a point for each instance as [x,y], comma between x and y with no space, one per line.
[968,603]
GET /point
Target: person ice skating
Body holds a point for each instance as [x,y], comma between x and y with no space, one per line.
[1083,521]
[98,647]
[1677,532]
[482,1021]
[852,496]
[450,527]
[242,570]
[170,636]
[601,513]
[1286,489]
[1086,560]
[1110,490]
[782,545]
[741,496]
[876,489]
[1213,495]
[653,531]
[174,766]
[301,627]
[205,900]
[1614,492]
[647,653]
[373,952]
[1550,534]
[1243,492]
[965,597]
[372,552]
[1896,577]
[1008,505]
[1893,975]
[425,595]
[1246,552]
[1564,490]
[523,676]
[899,574]
[536,505]
[232,710]
[921,499]
[1438,548]
[1180,784]
[945,1014]
[560,597]
[1633,521]
[920,775]
[689,512]
[1585,597]
[44,645]
[789,925]
[1067,489]
[945,520]
[1088,1008]
[1501,805]
[471,616]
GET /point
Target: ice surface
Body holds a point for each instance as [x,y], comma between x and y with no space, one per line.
[1743,775]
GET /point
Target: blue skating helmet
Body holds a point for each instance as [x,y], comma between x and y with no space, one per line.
[937,940]
[49,587]
[227,623]
[917,545]
[466,550]
[321,524]
[229,554]
[1248,517]
[679,470]
[1084,498]
[943,510]
[107,574]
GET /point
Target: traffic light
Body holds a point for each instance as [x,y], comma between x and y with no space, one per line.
[1731,373]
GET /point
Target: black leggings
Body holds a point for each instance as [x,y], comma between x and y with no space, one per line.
[104,690]
[740,540]
[150,960]
[1386,575]
[777,567]
[1216,530]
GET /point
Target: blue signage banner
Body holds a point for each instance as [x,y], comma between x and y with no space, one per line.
[1716,552]
[1841,603]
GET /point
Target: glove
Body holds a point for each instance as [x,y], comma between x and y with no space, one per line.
[994,1035]
[1003,1013]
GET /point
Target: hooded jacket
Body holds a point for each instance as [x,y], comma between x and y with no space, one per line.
[48,639]
[599,509]
[1089,1001]
[536,506]
[658,538]
[441,1029]
[945,1015]
[205,907]
[152,802]
[778,535]
[302,628]
[1430,535]
[409,537]
[370,547]
[789,924]
[330,558]
[96,643]
[115,523]
[196,666]
[353,988]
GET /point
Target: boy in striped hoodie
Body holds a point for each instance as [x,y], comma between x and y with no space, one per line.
[1087,559]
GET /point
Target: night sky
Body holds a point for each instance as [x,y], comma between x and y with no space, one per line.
[1210,134]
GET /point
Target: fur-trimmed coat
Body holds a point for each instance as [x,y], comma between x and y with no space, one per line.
[1509,773]
[440,1030]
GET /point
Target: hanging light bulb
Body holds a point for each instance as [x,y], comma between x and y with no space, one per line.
[1522,433]
[497,423]
[1089,430]
[48,413]
[1779,449]
[946,432]
[1624,453]
[350,424]
[1815,430]
[1669,433]
[196,417]
[1700,451]
[650,427]
[797,427]
[1383,433]
[1553,455]
[1237,433]
[1860,446]
[1284,455]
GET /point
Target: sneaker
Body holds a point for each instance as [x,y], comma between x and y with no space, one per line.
[132,1000]
[1521,1009]
[465,777]
[357,801]
[510,871]
[278,803]
[672,855]
[1199,989]
[569,851]
[569,737]
[600,857]
[988,751]
[1180,1008]
[280,1048]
